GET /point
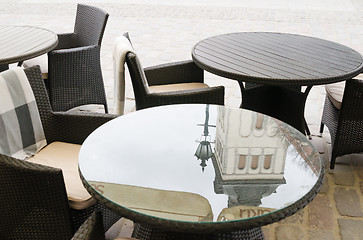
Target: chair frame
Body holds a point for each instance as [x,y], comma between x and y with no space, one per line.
[74,67]
[35,181]
[170,73]
[345,125]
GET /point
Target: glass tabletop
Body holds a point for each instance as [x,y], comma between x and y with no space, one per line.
[200,163]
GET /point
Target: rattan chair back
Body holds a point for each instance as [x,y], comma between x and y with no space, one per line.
[25,182]
[348,137]
[89,25]
[74,68]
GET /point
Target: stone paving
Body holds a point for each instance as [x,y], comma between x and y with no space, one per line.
[166,30]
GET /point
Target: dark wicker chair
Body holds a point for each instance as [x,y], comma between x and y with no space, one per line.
[170,73]
[346,124]
[74,68]
[38,192]
[91,229]
[35,206]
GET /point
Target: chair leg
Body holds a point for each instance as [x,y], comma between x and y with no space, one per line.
[321,129]
[332,163]
[307,130]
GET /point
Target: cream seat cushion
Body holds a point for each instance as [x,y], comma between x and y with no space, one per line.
[175,205]
[335,93]
[65,156]
[177,87]
[42,61]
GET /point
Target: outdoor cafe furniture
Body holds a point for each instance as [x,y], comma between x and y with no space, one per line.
[72,71]
[343,115]
[200,171]
[171,83]
[274,67]
[48,144]
[18,43]
[34,204]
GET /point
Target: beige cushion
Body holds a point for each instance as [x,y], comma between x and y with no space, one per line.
[176,205]
[335,93]
[42,61]
[65,156]
[177,87]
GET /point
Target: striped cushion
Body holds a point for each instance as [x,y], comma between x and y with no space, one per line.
[21,130]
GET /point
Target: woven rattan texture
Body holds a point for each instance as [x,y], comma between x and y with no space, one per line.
[172,73]
[74,68]
[346,125]
[91,229]
[145,232]
[34,199]
[34,203]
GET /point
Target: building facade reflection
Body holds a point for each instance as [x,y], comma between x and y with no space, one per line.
[250,154]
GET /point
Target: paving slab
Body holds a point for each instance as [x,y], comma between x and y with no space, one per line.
[351,229]
[348,202]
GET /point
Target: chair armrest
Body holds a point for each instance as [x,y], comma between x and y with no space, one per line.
[212,95]
[91,229]
[73,50]
[69,58]
[76,126]
[66,40]
[176,72]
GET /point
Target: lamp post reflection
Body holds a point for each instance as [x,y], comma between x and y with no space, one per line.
[204,150]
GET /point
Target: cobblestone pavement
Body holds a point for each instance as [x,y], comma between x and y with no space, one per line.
[166,30]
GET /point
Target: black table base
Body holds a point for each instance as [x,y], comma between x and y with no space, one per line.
[283,103]
[150,233]
[4,67]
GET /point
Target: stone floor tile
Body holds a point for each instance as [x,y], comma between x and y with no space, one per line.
[348,202]
[360,172]
[297,218]
[325,187]
[320,213]
[351,229]
[320,235]
[343,175]
[289,232]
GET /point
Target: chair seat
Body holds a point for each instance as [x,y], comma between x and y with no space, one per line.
[177,87]
[42,61]
[335,93]
[65,156]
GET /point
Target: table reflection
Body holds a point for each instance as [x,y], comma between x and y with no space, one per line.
[252,164]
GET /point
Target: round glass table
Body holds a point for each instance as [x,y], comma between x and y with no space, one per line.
[199,171]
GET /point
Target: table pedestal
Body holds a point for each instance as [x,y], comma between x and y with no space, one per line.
[151,233]
[283,103]
[4,67]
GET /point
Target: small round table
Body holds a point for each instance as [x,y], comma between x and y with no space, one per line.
[19,43]
[282,63]
[199,171]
